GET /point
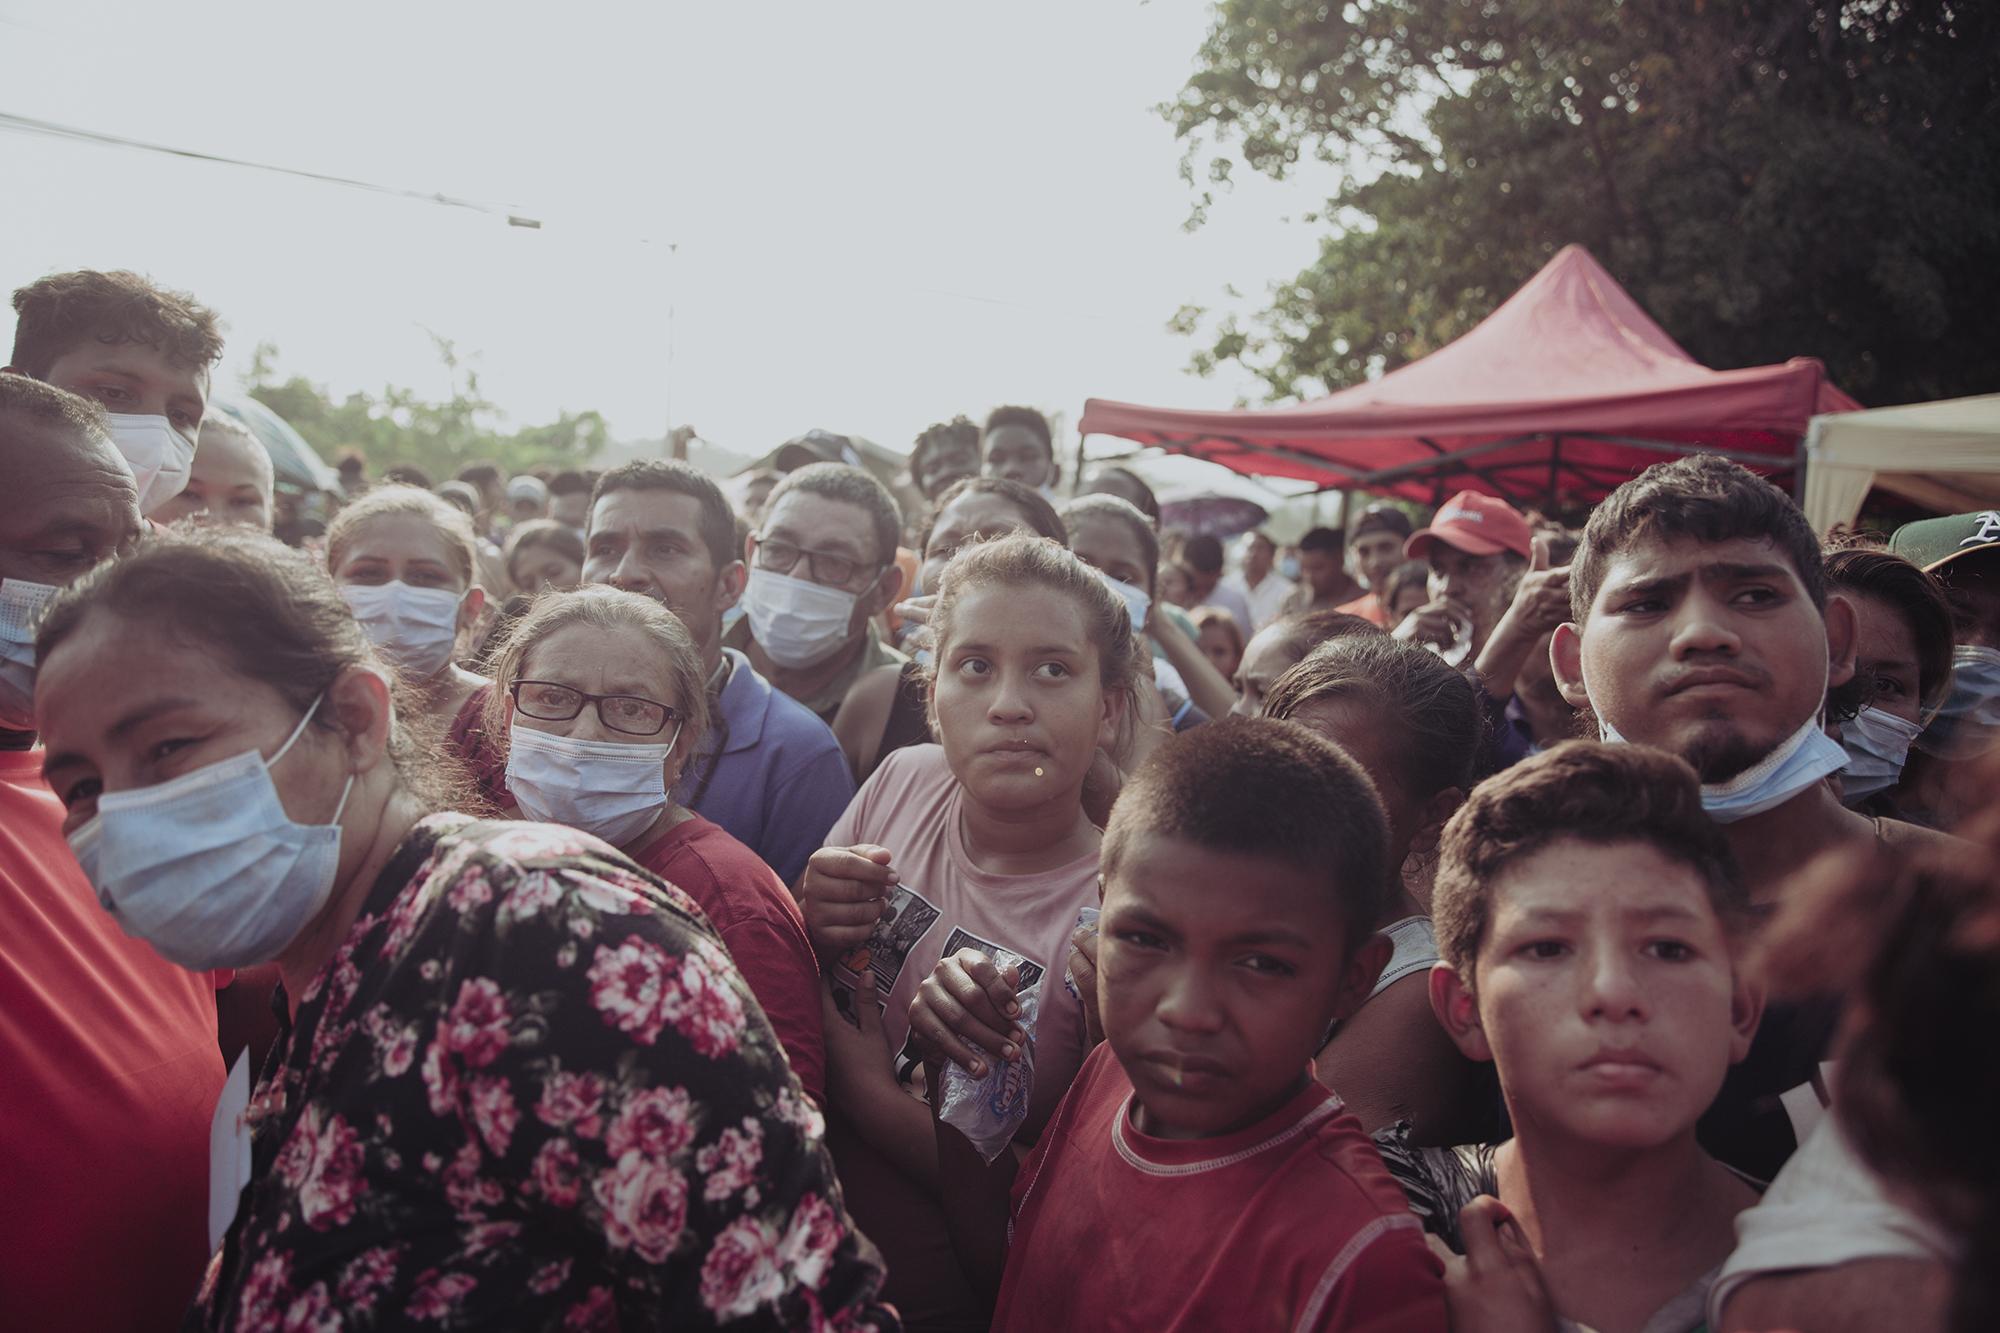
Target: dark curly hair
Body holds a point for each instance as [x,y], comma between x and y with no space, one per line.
[1588,790]
[1260,788]
[64,310]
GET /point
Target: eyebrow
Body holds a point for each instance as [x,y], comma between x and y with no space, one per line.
[642,534]
[835,544]
[1139,916]
[1272,935]
[1719,571]
[118,730]
[1060,650]
[1731,570]
[1570,916]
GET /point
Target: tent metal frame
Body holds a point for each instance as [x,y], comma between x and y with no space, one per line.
[1447,463]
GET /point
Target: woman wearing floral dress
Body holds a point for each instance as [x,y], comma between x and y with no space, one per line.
[522,1084]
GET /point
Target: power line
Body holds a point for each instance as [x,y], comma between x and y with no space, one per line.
[30,125]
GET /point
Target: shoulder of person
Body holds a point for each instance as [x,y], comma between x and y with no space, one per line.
[864,710]
[790,724]
[912,766]
[725,857]
[1341,1164]
[489,867]
[1904,836]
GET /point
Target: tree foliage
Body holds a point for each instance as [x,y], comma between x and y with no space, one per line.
[400,426]
[1769,179]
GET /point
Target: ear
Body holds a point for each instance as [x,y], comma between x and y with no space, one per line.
[1843,635]
[469,609]
[1566,661]
[729,584]
[1363,970]
[883,594]
[359,702]
[1432,818]
[1746,1011]
[677,759]
[1115,702]
[1458,1012]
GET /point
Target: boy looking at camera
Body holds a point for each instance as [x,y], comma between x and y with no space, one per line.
[1587,912]
[1196,1175]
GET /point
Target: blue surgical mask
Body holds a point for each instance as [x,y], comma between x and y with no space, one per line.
[1289,568]
[208,868]
[1967,724]
[1877,745]
[21,606]
[614,789]
[1806,756]
[1137,603]
[798,623]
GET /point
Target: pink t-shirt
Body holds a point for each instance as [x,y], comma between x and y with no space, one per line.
[911,806]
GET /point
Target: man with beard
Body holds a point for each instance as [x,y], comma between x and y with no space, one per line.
[1703,627]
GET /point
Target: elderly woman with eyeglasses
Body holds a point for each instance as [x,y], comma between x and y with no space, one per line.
[598,702]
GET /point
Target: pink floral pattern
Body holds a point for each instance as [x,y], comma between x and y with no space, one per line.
[532,1091]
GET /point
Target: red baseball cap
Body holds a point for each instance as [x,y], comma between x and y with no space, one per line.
[1475,524]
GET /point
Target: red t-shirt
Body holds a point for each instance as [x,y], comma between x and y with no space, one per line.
[109,1072]
[1293,1223]
[760,923]
[1369,607]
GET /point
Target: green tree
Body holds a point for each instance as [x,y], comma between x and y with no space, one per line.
[1769,179]
[400,426]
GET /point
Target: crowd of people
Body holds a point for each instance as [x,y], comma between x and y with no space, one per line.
[641,899]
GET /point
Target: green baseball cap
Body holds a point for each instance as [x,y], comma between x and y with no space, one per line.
[1935,542]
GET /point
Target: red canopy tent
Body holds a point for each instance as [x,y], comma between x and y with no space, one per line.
[1554,399]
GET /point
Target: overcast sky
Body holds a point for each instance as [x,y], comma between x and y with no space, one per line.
[885,213]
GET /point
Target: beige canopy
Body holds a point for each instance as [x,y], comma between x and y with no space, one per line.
[1944,455]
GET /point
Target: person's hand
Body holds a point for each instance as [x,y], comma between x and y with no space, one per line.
[1083,972]
[1435,622]
[965,1011]
[1496,1286]
[1541,602]
[843,893]
[917,610]
[856,1050]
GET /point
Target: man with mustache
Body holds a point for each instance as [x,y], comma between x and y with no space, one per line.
[1703,627]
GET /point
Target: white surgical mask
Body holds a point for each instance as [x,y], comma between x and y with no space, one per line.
[609,788]
[1137,603]
[797,622]
[1806,756]
[416,628]
[1877,745]
[208,868]
[160,456]
[1967,723]
[21,605]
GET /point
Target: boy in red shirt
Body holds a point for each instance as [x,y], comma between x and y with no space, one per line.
[1196,1176]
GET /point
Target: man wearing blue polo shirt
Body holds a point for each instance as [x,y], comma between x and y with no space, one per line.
[768,771]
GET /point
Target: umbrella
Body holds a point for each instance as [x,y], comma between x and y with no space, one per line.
[1211,515]
[292,459]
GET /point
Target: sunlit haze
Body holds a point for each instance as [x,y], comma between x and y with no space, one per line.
[885,214]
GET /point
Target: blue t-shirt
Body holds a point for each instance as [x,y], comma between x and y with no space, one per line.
[780,779]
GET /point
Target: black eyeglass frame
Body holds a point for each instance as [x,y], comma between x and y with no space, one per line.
[667,713]
[774,565]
